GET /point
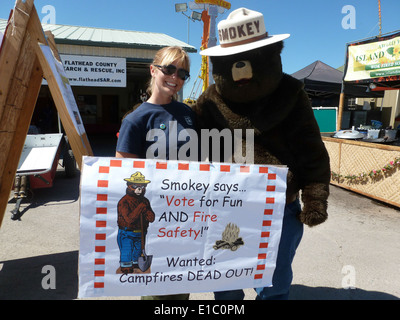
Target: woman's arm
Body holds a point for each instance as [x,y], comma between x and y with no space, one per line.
[125,155]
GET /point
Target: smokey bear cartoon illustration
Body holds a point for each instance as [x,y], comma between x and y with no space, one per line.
[134,215]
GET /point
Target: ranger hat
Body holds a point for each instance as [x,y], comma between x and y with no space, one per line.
[137,177]
[242,31]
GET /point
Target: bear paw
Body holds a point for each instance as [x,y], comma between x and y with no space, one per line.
[315,202]
[313,215]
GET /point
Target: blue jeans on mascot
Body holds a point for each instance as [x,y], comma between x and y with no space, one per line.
[292,232]
[129,243]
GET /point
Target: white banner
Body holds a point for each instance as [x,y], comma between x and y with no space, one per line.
[373,60]
[205,227]
[94,71]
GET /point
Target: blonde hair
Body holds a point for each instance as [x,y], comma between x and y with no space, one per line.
[166,56]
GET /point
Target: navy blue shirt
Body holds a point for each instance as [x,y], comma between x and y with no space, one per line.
[158,131]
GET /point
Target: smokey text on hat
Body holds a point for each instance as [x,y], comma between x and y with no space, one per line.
[239,31]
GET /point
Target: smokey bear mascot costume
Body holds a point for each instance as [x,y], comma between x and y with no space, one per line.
[252,92]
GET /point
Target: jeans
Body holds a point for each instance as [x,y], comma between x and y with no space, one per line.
[292,232]
[130,247]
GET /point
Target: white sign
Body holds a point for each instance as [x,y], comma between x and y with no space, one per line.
[95,71]
[149,227]
[65,88]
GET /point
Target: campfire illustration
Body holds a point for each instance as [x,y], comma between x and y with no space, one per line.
[230,238]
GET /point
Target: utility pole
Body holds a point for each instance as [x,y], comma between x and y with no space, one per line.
[380,18]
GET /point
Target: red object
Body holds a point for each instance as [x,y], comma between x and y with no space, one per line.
[46,179]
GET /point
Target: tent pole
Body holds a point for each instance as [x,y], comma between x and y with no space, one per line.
[340,112]
[342,94]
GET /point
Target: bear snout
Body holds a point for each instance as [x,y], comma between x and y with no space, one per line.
[242,70]
[240,64]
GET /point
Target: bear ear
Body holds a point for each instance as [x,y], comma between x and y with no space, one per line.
[276,47]
[280,46]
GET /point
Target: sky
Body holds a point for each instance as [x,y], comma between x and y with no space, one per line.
[319,29]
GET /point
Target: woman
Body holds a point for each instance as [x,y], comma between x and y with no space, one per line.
[161,111]
[169,71]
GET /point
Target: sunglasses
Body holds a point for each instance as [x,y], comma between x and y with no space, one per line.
[134,186]
[171,69]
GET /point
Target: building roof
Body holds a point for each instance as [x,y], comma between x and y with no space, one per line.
[101,37]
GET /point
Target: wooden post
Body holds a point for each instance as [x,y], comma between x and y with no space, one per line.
[22,67]
[20,81]
[340,112]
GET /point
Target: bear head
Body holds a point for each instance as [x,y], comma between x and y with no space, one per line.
[248,76]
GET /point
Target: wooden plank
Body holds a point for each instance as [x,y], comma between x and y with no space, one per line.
[14,103]
[52,44]
[13,39]
[20,81]
[18,137]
